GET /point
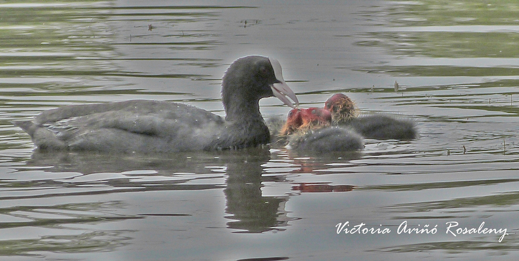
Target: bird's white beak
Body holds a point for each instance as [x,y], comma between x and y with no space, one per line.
[283,92]
[281,89]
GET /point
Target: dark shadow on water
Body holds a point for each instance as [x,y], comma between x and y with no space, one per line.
[246,207]
[249,210]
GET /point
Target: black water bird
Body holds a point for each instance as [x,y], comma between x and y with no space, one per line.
[147,126]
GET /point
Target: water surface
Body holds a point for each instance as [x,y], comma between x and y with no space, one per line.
[456,67]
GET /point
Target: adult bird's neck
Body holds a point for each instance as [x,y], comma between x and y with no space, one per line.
[242,110]
[239,104]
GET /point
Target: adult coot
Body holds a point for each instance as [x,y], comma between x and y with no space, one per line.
[380,127]
[159,126]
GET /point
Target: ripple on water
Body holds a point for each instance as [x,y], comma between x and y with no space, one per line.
[456,67]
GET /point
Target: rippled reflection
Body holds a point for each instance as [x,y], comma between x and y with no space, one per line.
[455,64]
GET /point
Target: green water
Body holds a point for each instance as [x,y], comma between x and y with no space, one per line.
[456,66]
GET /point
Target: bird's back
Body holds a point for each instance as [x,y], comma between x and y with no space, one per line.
[137,125]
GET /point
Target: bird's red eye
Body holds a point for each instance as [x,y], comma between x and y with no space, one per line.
[263,70]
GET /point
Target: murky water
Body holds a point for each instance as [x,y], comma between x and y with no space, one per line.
[456,65]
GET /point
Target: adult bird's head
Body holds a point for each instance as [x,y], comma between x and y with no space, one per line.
[252,78]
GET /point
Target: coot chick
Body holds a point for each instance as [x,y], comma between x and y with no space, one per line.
[328,139]
[159,126]
[309,130]
[383,127]
[380,127]
[297,120]
[341,107]
[306,119]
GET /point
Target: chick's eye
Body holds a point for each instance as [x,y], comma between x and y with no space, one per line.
[314,112]
[292,112]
